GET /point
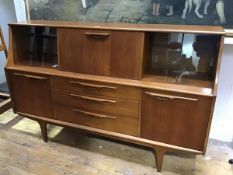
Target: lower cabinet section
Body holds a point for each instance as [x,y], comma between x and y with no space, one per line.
[172,118]
[109,122]
[175,118]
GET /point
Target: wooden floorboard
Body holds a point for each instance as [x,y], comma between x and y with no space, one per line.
[64,158]
[7,169]
[44,158]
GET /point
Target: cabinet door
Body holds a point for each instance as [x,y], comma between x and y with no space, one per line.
[85,51]
[126,56]
[101,52]
[175,119]
[31,94]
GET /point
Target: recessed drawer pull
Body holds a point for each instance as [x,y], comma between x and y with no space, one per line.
[93,99]
[93,85]
[96,36]
[99,116]
[168,97]
[31,76]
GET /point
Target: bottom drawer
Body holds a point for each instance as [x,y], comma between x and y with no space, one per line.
[123,125]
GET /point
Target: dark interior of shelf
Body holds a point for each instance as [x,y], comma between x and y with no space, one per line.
[181,58]
[35,46]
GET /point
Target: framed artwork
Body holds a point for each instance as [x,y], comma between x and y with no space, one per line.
[185,12]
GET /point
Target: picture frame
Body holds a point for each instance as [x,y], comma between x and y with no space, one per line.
[178,12]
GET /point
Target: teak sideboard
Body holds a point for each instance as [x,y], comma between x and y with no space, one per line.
[153,85]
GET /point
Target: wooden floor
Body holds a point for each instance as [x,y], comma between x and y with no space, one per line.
[22,152]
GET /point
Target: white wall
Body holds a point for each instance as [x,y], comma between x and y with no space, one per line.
[20,10]
[222,125]
[7,15]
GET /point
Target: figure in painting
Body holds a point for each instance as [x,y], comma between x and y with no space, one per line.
[170,5]
[156,7]
[219,4]
[220,7]
[51,3]
[189,5]
[86,4]
[157,4]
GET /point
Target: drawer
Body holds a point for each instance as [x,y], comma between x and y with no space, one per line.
[110,105]
[104,89]
[124,125]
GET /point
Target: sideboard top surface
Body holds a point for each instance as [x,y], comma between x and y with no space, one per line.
[128,27]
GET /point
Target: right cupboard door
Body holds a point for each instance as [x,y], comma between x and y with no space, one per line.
[175,118]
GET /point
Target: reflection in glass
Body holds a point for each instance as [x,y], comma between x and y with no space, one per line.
[43,46]
[180,56]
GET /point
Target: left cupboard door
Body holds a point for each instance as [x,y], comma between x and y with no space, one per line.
[31,93]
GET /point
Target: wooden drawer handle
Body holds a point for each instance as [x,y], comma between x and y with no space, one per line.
[31,76]
[168,97]
[99,116]
[96,36]
[93,99]
[93,85]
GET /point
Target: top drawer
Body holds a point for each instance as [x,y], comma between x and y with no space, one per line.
[97,88]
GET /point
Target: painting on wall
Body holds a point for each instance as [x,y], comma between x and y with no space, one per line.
[186,12]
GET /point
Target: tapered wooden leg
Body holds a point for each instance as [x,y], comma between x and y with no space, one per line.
[159,155]
[43,127]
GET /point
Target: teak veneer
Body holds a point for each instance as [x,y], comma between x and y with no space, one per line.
[129,82]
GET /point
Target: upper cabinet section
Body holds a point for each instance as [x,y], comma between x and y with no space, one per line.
[101,52]
[34,46]
[172,57]
[181,58]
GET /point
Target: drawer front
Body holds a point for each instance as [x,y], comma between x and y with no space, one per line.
[107,122]
[128,108]
[175,118]
[104,89]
